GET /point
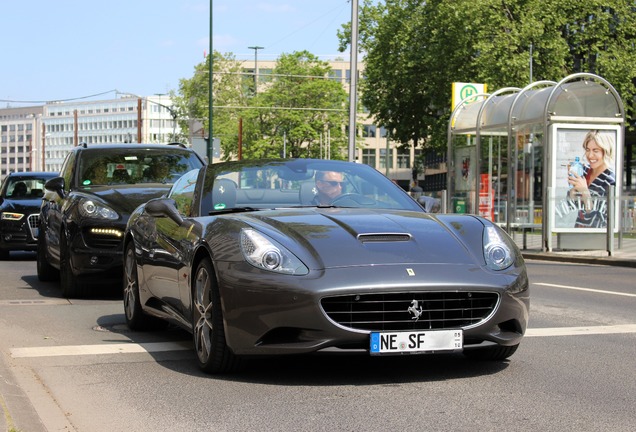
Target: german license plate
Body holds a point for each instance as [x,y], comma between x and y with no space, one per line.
[414,342]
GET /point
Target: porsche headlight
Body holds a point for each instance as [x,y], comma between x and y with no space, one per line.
[498,250]
[12,216]
[264,253]
[92,209]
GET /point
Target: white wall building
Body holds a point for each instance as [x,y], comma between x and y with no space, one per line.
[38,138]
[20,133]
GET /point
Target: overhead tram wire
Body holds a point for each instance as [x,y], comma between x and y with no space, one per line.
[58,100]
[338,8]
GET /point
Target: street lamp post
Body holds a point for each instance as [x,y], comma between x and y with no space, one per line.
[256,48]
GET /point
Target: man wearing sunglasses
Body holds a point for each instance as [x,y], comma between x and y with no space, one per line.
[329,186]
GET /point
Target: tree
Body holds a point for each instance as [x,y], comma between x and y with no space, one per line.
[298,109]
[192,99]
[415,50]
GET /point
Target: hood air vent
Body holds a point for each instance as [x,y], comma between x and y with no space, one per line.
[384,237]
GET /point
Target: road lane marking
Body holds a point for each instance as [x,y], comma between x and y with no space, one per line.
[122,348]
[585,289]
[128,348]
[577,331]
[34,302]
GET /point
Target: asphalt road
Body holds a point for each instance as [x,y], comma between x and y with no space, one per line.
[73,366]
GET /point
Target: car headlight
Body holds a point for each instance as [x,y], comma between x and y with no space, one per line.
[90,208]
[12,216]
[498,250]
[264,253]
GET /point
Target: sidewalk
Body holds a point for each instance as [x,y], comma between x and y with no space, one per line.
[625,256]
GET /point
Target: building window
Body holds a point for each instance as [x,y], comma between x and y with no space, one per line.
[336,75]
[404,158]
[368,131]
[383,158]
[369,157]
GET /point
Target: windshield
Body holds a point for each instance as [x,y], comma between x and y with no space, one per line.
[131,166]
[25,187]
[300,183]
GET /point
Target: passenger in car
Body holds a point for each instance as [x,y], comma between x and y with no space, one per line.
[19,190]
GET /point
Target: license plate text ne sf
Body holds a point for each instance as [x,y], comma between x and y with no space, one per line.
[414,342]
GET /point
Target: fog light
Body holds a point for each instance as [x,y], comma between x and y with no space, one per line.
[107,232]
[93,260]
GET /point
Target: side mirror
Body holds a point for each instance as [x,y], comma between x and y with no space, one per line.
[164,207]
[56,185]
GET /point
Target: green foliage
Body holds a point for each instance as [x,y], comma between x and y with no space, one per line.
[415,50]
[296,109]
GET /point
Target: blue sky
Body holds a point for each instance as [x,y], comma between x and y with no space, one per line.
[72,49]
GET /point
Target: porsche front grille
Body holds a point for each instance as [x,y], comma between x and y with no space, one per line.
[410,311]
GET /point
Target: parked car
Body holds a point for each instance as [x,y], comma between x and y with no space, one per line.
[20,198]
[85,209]
[243,256]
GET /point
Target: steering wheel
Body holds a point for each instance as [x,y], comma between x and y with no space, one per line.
[355,199]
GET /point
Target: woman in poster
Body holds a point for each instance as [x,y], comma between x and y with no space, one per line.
[589,190]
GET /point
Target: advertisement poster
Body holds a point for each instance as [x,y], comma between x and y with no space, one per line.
[585,165]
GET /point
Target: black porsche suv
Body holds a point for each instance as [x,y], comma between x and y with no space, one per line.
[84,211]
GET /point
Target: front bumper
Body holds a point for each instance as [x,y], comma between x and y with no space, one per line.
[97,250]
[20,235]
[284,315]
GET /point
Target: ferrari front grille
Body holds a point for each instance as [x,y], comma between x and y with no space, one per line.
[410,311]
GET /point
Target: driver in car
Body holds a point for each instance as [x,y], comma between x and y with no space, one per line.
[329,186]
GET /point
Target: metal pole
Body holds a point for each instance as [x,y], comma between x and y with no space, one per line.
[210,98]
[353,98]
[610,221]
[256,48]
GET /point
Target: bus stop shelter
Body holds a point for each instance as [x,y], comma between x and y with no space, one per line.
[509,153]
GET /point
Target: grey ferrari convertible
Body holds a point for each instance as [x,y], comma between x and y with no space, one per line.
[274,257]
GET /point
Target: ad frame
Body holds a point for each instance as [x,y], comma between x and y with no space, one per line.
[567,140]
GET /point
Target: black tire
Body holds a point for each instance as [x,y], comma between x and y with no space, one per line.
[72,287]
[136,319]
[4,254]
[208,331]
[46,272]
[491,353]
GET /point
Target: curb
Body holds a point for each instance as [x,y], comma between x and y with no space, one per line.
[607,261]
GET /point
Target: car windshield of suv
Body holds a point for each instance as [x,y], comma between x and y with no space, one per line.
[131,166]
[25,188]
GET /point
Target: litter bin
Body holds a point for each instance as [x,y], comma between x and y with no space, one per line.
[459,205]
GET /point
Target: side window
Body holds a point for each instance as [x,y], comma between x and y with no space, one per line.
[182,192]
[68,170]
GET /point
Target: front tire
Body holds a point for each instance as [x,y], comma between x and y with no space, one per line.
[136,319]
[46,272]
[213,354]
[71,286]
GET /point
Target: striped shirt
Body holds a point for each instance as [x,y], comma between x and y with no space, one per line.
[596,216]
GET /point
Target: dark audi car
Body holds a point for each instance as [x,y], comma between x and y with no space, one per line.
[279,257]
[85,210]
[20,198]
